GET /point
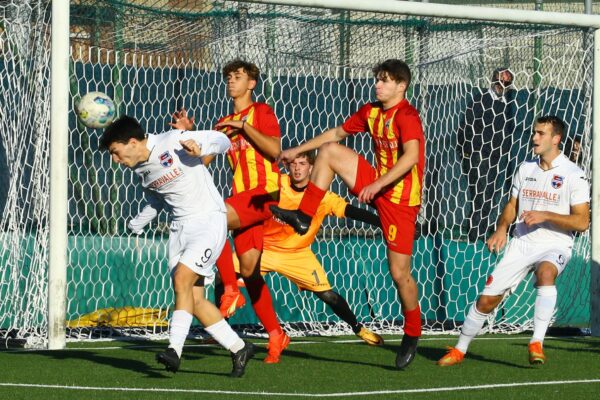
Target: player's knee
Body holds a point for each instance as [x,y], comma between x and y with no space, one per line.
[328,150]
[183,282]
[328,296]
[545,277]
[401,276]
[248,272]
[486,304]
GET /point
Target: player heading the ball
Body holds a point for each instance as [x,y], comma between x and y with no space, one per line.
[171,170]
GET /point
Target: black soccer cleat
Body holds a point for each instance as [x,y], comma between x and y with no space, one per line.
[295,218]
[406,353]
[169,359]
[240,359]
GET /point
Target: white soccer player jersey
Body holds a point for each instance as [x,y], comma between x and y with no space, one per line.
[170,176]
[554,190]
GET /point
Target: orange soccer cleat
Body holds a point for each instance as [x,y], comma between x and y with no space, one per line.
[370,337]
[452,357]
[536,354]
[231,300]
[277,344]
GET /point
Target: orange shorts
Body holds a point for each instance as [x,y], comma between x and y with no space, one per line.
[252,208]
[300,267]
[398,222]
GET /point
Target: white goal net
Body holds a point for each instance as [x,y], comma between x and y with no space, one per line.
[153,57]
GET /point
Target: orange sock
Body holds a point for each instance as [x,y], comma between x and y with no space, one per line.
[226,269]
[311,199]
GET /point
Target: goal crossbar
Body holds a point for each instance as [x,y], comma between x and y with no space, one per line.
[447,11]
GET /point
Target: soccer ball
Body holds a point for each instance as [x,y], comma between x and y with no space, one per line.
[96,110]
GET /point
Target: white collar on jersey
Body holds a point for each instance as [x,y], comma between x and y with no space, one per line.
[151,142]
[559,160]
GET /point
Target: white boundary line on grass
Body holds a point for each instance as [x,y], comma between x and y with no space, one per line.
[280,394]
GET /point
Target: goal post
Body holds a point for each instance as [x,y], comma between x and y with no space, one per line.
[59,143]
[155,56]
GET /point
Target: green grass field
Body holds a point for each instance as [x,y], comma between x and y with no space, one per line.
[496,368]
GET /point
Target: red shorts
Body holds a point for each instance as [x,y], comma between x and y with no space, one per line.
[252,208]
[398,222]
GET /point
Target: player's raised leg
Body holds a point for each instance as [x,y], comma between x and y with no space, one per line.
[332,159]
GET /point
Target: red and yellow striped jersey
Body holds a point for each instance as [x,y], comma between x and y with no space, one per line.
[250,168]
[282,237]
[390,129]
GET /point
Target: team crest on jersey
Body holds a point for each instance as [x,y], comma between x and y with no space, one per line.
[165,159]
[557,181]
[387,124]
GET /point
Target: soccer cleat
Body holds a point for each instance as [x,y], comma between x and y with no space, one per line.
[276,345]
[240,359]
[536,354]
[452,357]
[406,353]
[370,337]
[231,300]
[295,218]
[169,359]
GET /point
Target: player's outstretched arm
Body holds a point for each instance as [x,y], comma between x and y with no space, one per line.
[578,220]
[148,213]
[204,143]
[359,214]
[498,240]
[268,145]
[331,135]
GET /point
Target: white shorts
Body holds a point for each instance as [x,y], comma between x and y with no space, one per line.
[197,242]
[519,259]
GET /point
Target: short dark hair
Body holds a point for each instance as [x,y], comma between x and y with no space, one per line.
[496,74]
[250,68]
[121,131]
[558,126]
[310,156]
[398,70]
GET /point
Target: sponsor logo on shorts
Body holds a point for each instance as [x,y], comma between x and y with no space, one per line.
[557,181]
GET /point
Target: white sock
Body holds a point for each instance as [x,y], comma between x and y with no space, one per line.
[180,327]
[471,327]
[543,311]
[222,333]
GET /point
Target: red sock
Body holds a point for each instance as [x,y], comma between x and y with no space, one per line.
[311,199]
[412,322]
[225,267]
[263,304]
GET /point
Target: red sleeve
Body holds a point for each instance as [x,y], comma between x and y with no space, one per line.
[267,121]
[358,122]
[409,125]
